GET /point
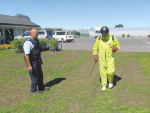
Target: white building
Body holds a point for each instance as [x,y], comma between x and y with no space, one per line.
[13,26]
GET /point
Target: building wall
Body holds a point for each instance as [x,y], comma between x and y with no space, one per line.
[84,33]
[17,30]
[136,32]
[92,34]
[131,33]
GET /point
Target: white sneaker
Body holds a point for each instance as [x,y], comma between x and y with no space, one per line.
[110,85]
[104,88]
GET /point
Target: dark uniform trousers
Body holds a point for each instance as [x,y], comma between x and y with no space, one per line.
[36,76]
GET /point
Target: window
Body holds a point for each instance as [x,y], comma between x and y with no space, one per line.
[49,32]
[41,32]
[60,33]
[69,33]
[98,32]
[26,34]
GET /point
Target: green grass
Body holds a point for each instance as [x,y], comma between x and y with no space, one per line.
[71,87]
[7,53]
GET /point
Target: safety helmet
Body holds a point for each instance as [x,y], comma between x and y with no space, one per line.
[104,30]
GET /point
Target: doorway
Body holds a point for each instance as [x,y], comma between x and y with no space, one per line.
[1,36]
[9,36]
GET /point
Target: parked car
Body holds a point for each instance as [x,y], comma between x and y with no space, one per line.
[24,35]
[45,34]
[64,36]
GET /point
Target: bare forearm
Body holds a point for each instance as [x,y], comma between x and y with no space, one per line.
[28,60]
[41,59]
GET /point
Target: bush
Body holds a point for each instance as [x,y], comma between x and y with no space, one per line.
[53,44]
[128,35]
[132,36]
[18,45]
[123,35]
[148,36]
[43,44]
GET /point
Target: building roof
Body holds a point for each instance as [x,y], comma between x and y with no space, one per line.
[17,21]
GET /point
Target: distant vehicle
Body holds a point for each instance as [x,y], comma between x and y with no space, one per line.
[26,34]
[45,34]
[97,32]
[64,36]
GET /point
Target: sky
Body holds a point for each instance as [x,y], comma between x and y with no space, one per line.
[81,14]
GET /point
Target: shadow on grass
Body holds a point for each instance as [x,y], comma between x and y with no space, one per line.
[53,82]
[116,79]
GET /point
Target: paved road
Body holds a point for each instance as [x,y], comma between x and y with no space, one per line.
[130,45]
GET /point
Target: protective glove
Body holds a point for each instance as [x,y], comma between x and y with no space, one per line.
[95,58]
[114,49]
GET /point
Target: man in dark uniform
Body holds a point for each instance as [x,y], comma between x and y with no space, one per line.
[33,59]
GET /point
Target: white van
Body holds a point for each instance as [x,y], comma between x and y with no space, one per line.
[45,34]
[64,36]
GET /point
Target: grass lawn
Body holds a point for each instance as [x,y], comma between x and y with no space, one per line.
[71,87]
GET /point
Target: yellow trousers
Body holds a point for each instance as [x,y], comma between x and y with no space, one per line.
[107,73]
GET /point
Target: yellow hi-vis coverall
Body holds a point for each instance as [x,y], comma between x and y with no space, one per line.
[103,48]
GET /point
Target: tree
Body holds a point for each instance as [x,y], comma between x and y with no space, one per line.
[53,29]
[22,16]
[76,32]
[119,26]
[50,29]
[92,29]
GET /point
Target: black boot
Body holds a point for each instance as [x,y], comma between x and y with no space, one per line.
[37,92]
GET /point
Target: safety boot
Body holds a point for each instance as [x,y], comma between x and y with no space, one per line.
[110,85]
[104,88]
[46,88]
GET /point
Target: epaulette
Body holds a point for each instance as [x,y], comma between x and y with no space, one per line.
[28,39]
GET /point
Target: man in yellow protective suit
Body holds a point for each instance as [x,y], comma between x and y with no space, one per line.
[105,47]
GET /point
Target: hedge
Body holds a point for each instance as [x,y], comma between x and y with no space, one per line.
[18,44]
